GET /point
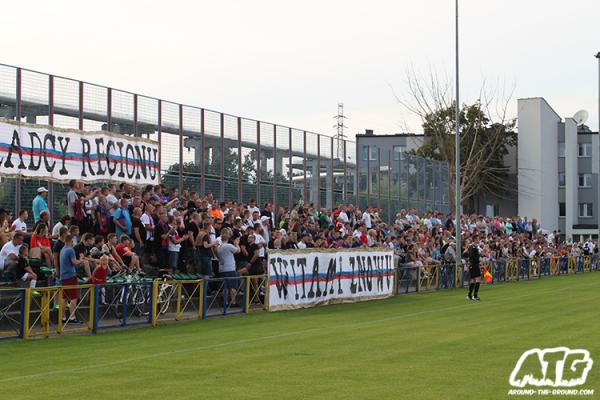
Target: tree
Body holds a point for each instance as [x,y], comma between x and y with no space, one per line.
[212,169]
[485,139]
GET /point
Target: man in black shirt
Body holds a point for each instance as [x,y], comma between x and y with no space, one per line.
[58,246]
[474,272]
[87,241]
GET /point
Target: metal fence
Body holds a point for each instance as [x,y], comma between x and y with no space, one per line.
[234,158]
[24,314]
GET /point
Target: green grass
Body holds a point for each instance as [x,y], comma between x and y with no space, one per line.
[419,346]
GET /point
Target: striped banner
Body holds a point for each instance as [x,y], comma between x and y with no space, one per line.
[309,277]
[38,151]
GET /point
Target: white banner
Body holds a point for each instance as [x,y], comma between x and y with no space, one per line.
[305,278]
[35,151]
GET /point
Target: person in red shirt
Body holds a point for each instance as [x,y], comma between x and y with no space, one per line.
[100,272]
[129,258]
[41,243]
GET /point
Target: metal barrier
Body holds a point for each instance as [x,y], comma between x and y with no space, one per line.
[42,314]
[177,300]
[28,313]
[256,293]
[427,277]
[122,304]
[12,307]
[406,279]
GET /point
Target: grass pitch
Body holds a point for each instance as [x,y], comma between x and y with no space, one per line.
[417,346]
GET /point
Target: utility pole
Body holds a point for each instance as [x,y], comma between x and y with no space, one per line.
[457,151]
[598,57]
[339,136]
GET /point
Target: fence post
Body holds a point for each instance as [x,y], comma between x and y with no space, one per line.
[154,300]
[27,309]
[92,318]
[200,298]
[125,300]
[60,310]
[204,290]
[97,290]
[246,297]
[225,296]
[395,287]
[418,278]
[178,313]
[267,290]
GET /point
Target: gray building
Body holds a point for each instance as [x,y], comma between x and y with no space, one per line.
[368,145]
[558,166]
[554,168]
[389,178]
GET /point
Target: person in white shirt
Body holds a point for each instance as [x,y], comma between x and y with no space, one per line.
[343,216]
[112,200]
[64,221]
[252,207]
[255,219]
[226,253]
[367,218]
[148,222]
[20,224]
[10,253]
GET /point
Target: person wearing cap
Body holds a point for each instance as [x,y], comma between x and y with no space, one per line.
[39,203]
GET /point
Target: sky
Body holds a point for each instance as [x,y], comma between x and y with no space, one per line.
[292,62]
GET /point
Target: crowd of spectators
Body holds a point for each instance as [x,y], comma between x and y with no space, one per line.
[117,229]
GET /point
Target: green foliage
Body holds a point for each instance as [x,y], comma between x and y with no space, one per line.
[484,144]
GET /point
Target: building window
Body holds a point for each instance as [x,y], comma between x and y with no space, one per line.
[585,180]
[365,152]
[561,179]
[561,149]
[397,151]
[585,210]
[562,210]
[585,149]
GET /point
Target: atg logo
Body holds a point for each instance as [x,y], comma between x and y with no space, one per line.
[557,367]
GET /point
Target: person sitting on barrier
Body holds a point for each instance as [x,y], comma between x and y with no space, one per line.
[99,250]
[40,245]
[116,263]
[226,253]
[68,277]
[10,253]
[100,271]
[129,258]
[24,271]
[82,251]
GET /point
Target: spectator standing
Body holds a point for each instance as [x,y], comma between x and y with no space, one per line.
[122,220]
[68,277]
[39,203]
[226,253]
